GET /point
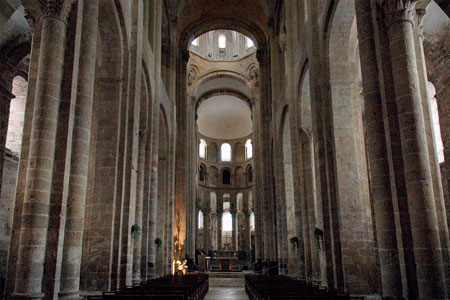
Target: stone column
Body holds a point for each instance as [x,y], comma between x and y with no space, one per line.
[247,237]
[80,125]
[35,213]
[137,242]
[399,17]
[381,191]
[234,230]
[206,230]
[432,149]
[219,229]
[5,101]
[153,202]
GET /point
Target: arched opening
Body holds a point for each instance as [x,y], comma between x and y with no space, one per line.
[200,219]
[248,149]
[16,115]
[249,175]
[222,41]
[226,176]
[227,224]
[436,124]
[202,173]
[223,96]
[202,149]
[225,152]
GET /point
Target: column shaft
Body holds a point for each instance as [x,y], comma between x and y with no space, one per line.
[432,148]
[153,205]
[234,232]
[206,231]
[424,226]
[35,213]
[247,237]
[137,246]
[378,161]
[219,229]
[80,125]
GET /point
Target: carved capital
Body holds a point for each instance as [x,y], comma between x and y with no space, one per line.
[30,17]
[420,12]
[396,11]
[59,9]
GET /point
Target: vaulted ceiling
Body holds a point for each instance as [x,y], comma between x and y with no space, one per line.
[195,17]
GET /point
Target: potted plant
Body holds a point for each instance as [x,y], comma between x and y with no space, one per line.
[158,243]
[136,232]
[318,234]
[294,243]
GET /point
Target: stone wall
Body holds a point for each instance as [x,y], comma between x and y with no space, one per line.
[6,207]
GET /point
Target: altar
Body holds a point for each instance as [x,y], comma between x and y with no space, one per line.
[225,261]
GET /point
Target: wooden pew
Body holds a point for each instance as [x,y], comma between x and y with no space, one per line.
[277,287]
[188,287]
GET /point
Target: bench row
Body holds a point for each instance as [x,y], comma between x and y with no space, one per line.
[277,287]
[187,287]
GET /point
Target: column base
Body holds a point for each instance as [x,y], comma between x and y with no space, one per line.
[35,296]
[70,295]
[136,281]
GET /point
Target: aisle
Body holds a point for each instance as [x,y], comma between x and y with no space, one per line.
[226,286]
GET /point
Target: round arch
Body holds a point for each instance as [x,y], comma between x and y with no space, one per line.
[197,28]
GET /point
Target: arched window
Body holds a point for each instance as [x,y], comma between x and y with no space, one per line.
[225,152]
[200,219]
[222,40]
[202,173]
[202,148]
[227,221]
[195,42]
[16,115]
[436,124]
[252,221]
[248,149]
[226,177]
[249,42]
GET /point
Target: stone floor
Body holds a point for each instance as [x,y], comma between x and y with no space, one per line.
[226,293]
[226,286]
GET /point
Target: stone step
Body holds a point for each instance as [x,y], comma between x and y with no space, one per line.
[226,282]
[226,274]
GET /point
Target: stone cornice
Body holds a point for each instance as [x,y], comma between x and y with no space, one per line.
[396,11]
